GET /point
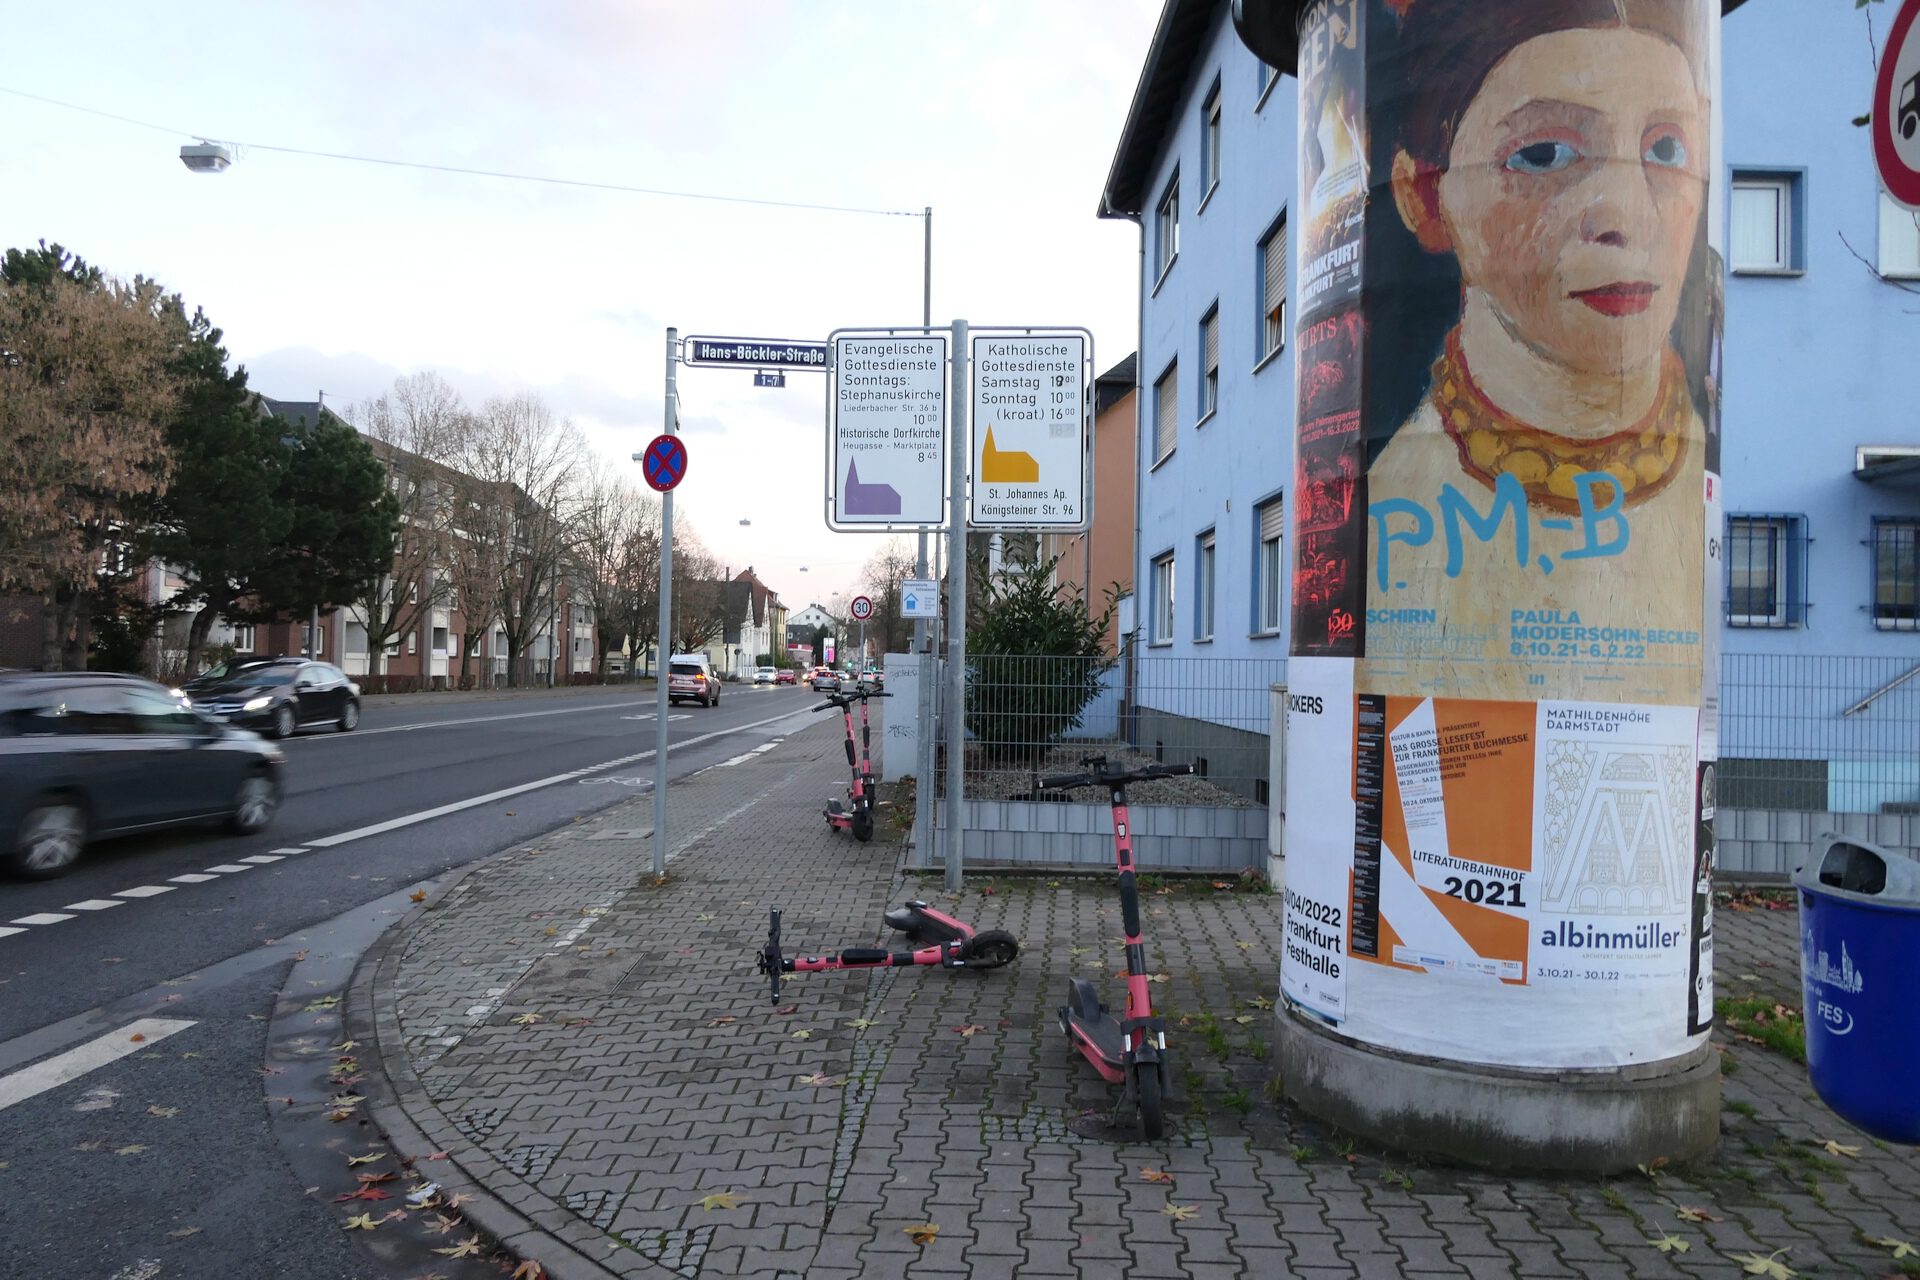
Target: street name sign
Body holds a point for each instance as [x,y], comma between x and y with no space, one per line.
[886,430]
[769,378]
[919,598]
[1031,460]
[1896,109]
[750,353]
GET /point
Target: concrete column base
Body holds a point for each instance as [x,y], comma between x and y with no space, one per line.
[1586,1121]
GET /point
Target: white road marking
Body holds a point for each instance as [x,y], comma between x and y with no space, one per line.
[192,877]
[43,917]
[101,1099]
[95,904]
[454,724]
[286,852]
[145,891]
[79,1060]
[8,933]
[228,868]
[144,1269]
[408,820]
[262,859]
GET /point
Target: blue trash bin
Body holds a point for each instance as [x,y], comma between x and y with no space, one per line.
[1859,955]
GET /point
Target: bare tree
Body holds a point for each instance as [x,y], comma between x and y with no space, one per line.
[883,575]
[700,598]
[616,547]
[479,530]
[86,386]
[417,429]
[531,458]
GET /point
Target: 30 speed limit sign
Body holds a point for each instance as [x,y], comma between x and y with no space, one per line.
[861,609]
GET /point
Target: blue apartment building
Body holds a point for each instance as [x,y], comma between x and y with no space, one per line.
[1820,668]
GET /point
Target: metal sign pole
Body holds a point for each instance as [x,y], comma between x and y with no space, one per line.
[666,628]
[961,403]
[922,633]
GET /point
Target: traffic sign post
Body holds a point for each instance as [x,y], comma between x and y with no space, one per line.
[886,439]
[1896,109]
[664,463]
[1031,454]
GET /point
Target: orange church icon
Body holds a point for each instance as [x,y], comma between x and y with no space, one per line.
[1008,467]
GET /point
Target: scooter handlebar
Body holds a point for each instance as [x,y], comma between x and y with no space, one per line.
[770,957]
[1099,777]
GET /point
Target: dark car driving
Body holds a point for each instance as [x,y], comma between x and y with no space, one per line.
[276,695]
[87,755]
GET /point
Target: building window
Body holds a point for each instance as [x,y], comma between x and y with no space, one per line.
[1267,78]
[1895,568]
[1162,600]
[242,637]
[1765,559]
[1763,230]
[413,593]
[1203,572]
[1210,363]
[1166,228]
[413,643]
[1210,143]
[1899,240]
[1166,410]
[1269,524]
[313,642]
[1272,286]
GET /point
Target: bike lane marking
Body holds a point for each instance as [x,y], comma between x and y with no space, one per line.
[53,1072]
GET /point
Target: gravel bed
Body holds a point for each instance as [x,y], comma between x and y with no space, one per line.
[994,781]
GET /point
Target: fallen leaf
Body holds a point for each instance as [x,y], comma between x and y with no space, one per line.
[368,1158]
[361,1222]
[1244,946]
[1243,1018]
[526,1019]
[787,1008]
[442,1224]
[1179,1212]
[1694,1215]
[721,1200]
[163,1113]
[374,1179]
[346,1046]
[396,1215]
[454,1202]
[970,1029]
[510,814]
[183,1233]
[1769,1266]
[721,1021]
[131,1149]
[1670,1244]
[87,1146]
[822,1079]
[861,1024]
[1834,1148]
[137,1038]
[1261,1002]
[1155,1175]
[922,1232]
[468,1248]
[362,1193]
[418,895]
[1901,1249]
[323,1003]
[703,919]
[436,1155]
[803,1034]
[529,1269]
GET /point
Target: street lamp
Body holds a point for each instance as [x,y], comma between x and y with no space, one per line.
[205,157]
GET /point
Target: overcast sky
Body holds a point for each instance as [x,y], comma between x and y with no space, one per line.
[339,276]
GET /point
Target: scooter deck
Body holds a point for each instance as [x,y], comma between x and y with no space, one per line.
[1103,1035]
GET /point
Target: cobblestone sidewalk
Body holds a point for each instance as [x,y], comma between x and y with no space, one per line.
[598,1054]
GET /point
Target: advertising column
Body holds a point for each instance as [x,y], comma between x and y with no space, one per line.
[1506,578]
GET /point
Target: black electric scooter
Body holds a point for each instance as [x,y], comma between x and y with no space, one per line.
[1129,1051]
[938,938]
[857,814]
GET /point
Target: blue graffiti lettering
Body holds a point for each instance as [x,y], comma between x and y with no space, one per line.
[1603,527]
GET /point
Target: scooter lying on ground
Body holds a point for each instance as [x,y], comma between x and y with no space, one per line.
[1129,1051]
[938,939]
[857,814]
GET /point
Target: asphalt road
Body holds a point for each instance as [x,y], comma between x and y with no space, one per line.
[161,1157]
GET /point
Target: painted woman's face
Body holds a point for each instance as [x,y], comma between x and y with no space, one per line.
[1573,193]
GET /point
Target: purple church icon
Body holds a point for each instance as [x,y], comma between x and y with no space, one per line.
[868,499]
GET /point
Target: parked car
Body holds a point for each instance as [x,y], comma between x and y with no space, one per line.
[279,696]
[690,678]
[824,680]
[873,677]
[764,675]
[785,675]
[86,755]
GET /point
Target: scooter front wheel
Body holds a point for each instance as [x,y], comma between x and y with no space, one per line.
[862,825]
[1153,1114]
[992,949]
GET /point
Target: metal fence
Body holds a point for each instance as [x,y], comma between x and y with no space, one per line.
[1028,715]
[1820,733]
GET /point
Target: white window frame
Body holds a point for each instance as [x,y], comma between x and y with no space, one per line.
[1273,311]
[1270,566]
[1785,189]
[1209,145]
[1209,363]
[1267,76]
[1160,579]
[1899,248]
[1166,229]
[317,635]
[413,643]
[1205,575]
[1166,413]
[242,637]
